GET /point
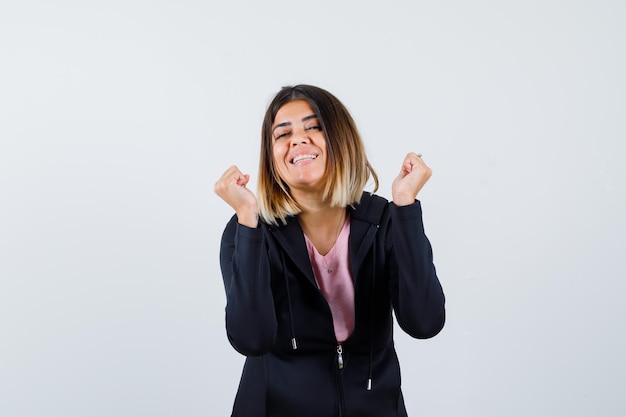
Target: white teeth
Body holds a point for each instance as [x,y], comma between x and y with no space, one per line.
[301,157]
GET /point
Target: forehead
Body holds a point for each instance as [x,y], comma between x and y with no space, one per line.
[293,111]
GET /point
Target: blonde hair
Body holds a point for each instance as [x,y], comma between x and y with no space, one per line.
[347,165]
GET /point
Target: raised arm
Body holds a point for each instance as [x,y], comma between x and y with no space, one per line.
[416,292]
[250,316]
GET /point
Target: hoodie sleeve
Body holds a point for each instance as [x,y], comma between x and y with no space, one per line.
[416,292]
[250,316]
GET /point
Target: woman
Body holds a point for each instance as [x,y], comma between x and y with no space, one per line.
[313,266]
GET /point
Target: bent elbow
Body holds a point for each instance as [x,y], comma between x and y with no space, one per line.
[251,346]
[425,326]
[250,338]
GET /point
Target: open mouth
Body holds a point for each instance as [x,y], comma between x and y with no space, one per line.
[303,157]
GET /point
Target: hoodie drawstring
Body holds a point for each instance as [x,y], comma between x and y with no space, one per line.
[294,343]
[372,315]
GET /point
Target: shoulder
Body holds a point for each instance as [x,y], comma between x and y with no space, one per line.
[371,208]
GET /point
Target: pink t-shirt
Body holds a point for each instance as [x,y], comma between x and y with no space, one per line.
[332,273]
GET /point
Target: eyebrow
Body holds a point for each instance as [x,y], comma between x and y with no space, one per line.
[304,119]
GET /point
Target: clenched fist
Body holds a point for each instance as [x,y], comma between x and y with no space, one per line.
[231,187]
[410,180]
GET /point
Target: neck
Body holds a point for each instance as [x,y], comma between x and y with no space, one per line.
[321,217]
[322,226]
[314,206]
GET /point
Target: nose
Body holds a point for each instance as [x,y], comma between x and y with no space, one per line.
[299,138]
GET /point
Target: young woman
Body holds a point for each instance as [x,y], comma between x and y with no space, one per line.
[313,267]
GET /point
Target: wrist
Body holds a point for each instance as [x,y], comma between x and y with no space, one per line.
[403,200]
[249,218]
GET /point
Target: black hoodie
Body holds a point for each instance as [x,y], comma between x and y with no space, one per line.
[277,316]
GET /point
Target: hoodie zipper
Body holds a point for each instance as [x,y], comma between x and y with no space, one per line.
[339,357]
[338,371]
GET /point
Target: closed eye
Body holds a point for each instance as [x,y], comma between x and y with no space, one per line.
[281,135]
[316,127]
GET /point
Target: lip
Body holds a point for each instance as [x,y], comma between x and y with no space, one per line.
[308,156]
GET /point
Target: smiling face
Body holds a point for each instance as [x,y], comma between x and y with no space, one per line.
[304,157]
[299,147]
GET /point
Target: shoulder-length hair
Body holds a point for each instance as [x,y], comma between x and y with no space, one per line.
[347,167]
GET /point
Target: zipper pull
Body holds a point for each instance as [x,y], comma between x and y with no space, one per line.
[339,356]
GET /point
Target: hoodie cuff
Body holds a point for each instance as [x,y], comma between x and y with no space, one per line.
[251,233]
[411,211]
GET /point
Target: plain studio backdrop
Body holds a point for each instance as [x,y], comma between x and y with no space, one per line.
[117,117]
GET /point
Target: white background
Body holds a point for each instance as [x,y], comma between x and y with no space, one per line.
[117,117]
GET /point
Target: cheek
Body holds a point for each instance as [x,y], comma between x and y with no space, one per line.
[321,142]
[278,156]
